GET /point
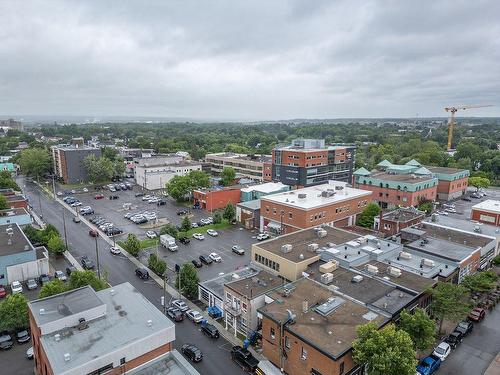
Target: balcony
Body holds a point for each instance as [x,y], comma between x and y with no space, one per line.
[233,311]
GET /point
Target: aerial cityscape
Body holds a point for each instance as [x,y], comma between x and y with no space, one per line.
[268,188]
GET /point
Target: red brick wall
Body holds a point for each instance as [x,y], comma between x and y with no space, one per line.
[476,215]
[214,200]
[395,227]
[412,197]
[449,187]
[267,172]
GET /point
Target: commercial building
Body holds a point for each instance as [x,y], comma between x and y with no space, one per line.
[18,216]
[69,161]
[12,124]
[216,198]
[14,200]
[257,191]
[153,173]
[393,222]
[333,203]
[248,214]
[253,167]
[308,162]
[487,212]
[113,331]
[19,259]
[452,182]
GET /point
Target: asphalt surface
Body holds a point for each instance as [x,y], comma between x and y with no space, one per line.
[118,270]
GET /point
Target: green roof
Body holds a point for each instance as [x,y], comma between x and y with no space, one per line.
[362,172]
[384,163]
[422,170]
[414,163]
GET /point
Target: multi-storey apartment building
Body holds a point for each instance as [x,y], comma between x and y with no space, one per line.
[308,162]
[254,167]
[69,161]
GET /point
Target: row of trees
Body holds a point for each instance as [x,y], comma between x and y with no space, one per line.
[180,187]
[104,168]
[48,237]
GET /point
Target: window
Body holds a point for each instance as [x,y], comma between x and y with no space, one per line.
[287,342]
[267,208]
[380,194]
[244,307]
[304,354]
[341,368]
[122,361]
[272,333]
[290,215]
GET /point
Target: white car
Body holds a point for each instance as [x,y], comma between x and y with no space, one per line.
[181,305]
[212,232]
[60,275]
[151,234]
[85,190]
[442,351]
[215,257]
[114,250]
[194,315]
[59,194]
[16,287]
[262,236]
[147,197]
[76,204]
[198,236]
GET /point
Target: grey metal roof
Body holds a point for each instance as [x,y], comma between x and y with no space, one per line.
[216,285]
[251,205]
[171,363]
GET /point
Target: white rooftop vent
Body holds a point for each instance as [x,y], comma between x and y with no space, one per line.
[322,233]
[312,247]
[149,322]
[404,255]
[67,357]
[327,278]
[353,243]
[301,256]
[286,248]
[112,292]
[362,240]
[393,271]
[57,337]
[42,311]
[427,262]
[372,269]
[357,279]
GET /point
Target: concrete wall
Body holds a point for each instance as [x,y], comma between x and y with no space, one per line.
[28,270]
[154,178]
[18,258]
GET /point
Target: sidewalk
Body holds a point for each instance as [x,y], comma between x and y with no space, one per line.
[494,367]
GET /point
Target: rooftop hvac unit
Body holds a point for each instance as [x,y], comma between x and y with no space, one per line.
[362,240]
[286,248]
[302,196]
[312,247]
[357,279]
[428,262]
[393,271]
[328,266]
[327,278]
[322,233]
[371,268]
[404,255]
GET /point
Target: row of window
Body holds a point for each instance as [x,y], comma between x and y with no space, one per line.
[293,157]
[315,157]
[362,203]
[290,214]
[267,262]
[405,188]
[318,216]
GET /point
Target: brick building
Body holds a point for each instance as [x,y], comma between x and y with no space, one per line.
[391,223]
[487,212]
[254,167]
[333,204]
[14,200]
[68,161]
[452,182]
[211,199]
[308,162]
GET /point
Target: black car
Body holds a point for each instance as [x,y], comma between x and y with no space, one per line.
[175,314]
[161,202]
[464,327]
[139,194]
[210,330]
[87,264]
[142,273]
[113,197]
[454,339]
[43,279]
[184,240]
[466,199]
[181,212]
[192,352]
[70,270]
[113,231]
[205,259]
[196,263]
[23,336]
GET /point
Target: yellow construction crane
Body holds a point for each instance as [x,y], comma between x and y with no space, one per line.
[451,123]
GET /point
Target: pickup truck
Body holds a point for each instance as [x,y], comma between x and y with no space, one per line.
[244,358]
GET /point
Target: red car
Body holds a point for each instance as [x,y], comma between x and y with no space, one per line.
[98,196]
[3,293]
[93,233]
[477,314]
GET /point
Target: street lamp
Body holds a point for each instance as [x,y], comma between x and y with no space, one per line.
[97,256]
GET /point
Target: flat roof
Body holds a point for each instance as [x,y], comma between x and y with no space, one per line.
[331,320]
[458,222]
[125,323]
[488,205]
[455,235]
[445,170]
[302,238]
[251,205]
[403,215]
[317,196]
[232,155]
[266,188]
[254,286]
[401,177]
[13,212]
[216,285]
[13,240]
[171,363]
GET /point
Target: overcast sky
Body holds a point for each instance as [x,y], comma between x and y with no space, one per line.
[249,59]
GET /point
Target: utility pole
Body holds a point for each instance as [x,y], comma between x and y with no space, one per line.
[64,227]
[165,293]
[54,186]
[97,257]
[40,203]
[179,276]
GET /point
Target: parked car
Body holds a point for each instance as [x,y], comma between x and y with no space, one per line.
[262,236]
[205,259]
[76,219]
[198,236]
[194,225]
[210,330]
[142,273]
[3,292]
[244,358]
[16,287]
[138,195]
[175,314]
[464,327]
[70,270]
[99,196]
[93,233]
[428,365]
[113,197]
[196,263]
[212,232]
[23,336]
[31,284]
[43,279]
[161,202]
[76,204]
[151,234]
[454,339]
[477,314]
[114,250]
[181,212]
[179,304]
[237,250]
[442,351]
[467,199]
[192,352]
[215,257]
[86,211]
[6,341]
[87,263]
[194,316]
[60,275]
[30,353]
[184,240]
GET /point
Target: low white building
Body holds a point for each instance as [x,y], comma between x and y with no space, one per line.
[154,173]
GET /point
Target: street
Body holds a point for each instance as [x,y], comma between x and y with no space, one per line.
[119,269]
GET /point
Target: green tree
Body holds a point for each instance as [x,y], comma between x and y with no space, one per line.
[229,212]
[185,224]
[178,187]
[32,234]
[479,182]
[159,266]
[7,182]
[170,229]
[449,301]
[217,217]
[56,245]
[227,176]
[420,327]
[132,245]
[53,287]
[189,280]
[426,206]
[496,260]
[47,234]
[87,277]
[119,166]
[98,169]
[109,153]
[35,162]
[368,214]
[480,282]
[384,352]
[3,203]
[199,179]
[14,313]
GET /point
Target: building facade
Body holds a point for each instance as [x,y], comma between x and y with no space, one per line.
[333,204]
[155,173]
[308,162]
[487,212]
[69,161]
[452,182]
[211,199]
[391,223]
[254,167]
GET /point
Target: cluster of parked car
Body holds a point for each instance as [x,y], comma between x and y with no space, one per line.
[121,186]
[72,201]
[104,225]
[140,217]
[152,199]
[22,337]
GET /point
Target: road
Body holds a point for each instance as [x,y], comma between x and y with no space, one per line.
[119,269]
